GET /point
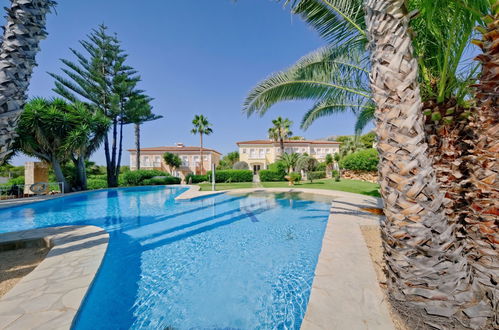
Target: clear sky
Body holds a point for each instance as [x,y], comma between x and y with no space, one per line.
[195,57]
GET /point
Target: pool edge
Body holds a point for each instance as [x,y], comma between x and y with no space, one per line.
[51,295]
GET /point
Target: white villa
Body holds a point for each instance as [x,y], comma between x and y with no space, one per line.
[260,153]
[152,158]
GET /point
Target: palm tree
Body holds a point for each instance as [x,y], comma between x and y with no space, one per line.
[280,131]
[201,127]
[424,262]
[85,137]
[290,161]
[482,200]
[140,113]
[351,145]
[172,160]
[24,29]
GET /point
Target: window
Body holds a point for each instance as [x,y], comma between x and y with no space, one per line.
[268,150]
[243,150]
[185,161]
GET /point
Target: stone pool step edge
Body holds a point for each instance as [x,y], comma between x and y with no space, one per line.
[49,297]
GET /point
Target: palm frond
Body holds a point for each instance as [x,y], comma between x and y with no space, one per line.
[332,106]
[365,116]
[324,73]
[335,20]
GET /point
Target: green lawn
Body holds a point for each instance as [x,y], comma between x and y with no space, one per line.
[353,186]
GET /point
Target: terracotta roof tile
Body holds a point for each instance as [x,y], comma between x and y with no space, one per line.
[288,142]
[175,148]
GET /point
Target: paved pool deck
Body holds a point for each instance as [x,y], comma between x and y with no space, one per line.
[345,292]
[49,297]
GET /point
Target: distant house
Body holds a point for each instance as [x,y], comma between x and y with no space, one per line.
[152,158]
[260,153]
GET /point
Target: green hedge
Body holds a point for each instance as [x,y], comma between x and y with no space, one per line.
[316,175]
[196,178]
[96,184]
[232,176]
[364,160]
[161,181]
[269,175]
[135,178]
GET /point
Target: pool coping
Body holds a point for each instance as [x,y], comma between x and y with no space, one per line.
[345,291]
[49,297]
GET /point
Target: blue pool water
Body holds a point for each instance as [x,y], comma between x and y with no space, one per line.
[228,261]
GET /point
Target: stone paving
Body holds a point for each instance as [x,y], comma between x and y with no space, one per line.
[345,291]
[49,296]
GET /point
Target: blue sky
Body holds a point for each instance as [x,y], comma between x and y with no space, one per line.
[195,57]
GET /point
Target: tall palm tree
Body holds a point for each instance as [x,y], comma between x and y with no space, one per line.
[202,127]
[24,29]
[481,216]
[280,131]
[425,267]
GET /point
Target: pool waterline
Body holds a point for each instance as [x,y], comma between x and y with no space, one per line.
[159,246]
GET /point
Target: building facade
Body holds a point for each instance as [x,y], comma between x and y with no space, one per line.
[261,153]
[152,158]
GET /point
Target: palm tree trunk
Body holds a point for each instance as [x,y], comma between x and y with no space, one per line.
[201,152]
[59,175]
[82,172]
[137,146]
[24,29]
[120,152]
[482,194]
[426,270]
[281,142]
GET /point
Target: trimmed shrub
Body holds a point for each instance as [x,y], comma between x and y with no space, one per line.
[161,181]
[96,184]
[269,175]
[232,176]
[278,167]
[315,175]
[135,178]
[196,178]
[363,160]
[241,166]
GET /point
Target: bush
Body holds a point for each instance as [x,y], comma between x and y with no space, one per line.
[315,175]
[135,178]
[364,160]
[321,167]
[98,177]
[269,175]
[335,174]
[295,176]
[196,178]
[279,167]
[241,166]
[161,181]
[96,184]
[16,181]
[232,176]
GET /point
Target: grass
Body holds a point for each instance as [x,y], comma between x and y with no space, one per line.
[353,186]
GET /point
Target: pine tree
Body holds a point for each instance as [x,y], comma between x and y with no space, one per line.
[102,78]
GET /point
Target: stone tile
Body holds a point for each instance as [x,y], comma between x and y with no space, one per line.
[49,297]
[5,320]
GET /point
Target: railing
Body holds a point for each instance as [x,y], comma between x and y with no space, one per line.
[13,191]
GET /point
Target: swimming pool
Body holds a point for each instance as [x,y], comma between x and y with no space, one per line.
[227,261]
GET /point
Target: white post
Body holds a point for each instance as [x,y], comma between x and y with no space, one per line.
[213,177]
